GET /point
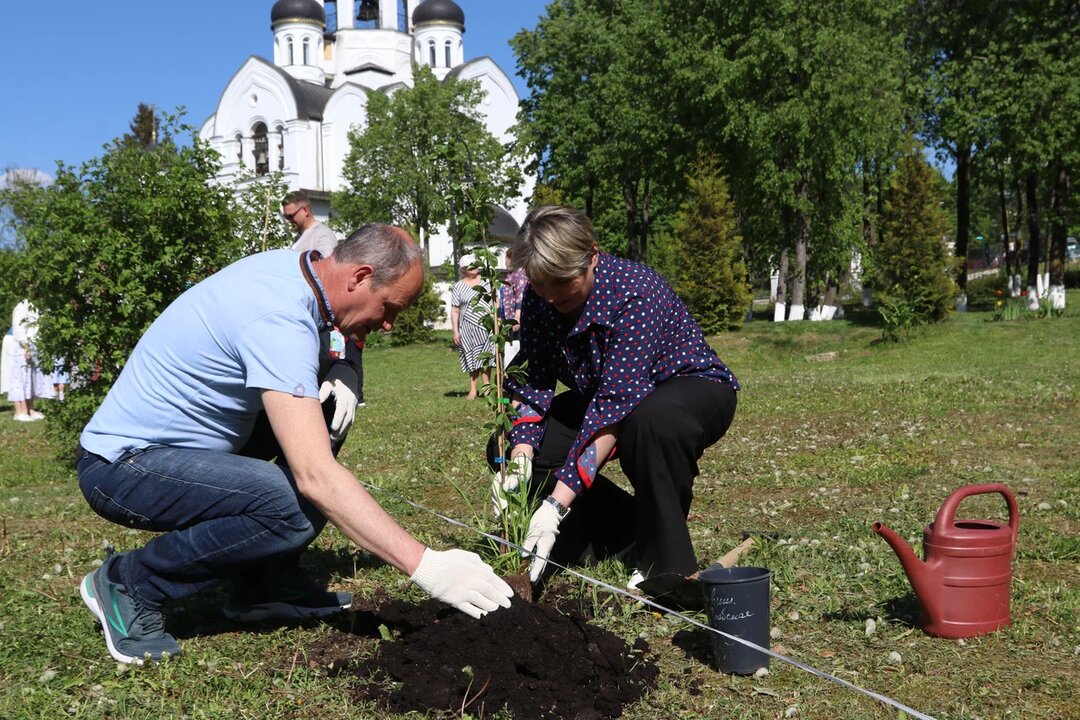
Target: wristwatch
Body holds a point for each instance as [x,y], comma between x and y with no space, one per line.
[560,509]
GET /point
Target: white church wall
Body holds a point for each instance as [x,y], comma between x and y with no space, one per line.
[346,109]
[387,49]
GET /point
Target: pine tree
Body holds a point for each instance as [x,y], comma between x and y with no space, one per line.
[712,280]
[911,258]
[144,128]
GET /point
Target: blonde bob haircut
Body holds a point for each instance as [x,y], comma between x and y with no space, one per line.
[554,243]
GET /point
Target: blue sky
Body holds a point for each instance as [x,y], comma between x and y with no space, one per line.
[75,71]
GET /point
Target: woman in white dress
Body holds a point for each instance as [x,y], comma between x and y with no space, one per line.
[26,381]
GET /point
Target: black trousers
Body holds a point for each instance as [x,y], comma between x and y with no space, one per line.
[658,447]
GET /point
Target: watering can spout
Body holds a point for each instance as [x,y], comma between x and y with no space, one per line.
[918,572]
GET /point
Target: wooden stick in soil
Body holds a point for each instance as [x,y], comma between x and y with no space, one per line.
[731,558]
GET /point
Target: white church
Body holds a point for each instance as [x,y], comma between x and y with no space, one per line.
[292,113]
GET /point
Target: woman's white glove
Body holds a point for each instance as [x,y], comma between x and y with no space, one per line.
[543,529]
[341,382]
[461,579]
[518,472]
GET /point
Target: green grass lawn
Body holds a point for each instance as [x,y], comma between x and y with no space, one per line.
[834,431]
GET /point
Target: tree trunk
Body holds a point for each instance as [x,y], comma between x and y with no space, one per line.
[1031,192]
[780,311]
[645,222]
[1017,270]
[1059,231]
[630,203]
[1007,243]
[963,214]
[802,254]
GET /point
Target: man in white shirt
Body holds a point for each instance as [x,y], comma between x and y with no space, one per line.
[310,233]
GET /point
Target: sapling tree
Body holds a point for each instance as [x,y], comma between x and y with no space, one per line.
[516,505]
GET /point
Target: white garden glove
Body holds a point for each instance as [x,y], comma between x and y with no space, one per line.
[543,529]
[341,381]
[518,472]
[461,579]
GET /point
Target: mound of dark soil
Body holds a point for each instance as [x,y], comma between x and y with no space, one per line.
[530,658]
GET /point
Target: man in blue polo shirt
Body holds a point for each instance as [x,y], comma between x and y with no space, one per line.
[163,452]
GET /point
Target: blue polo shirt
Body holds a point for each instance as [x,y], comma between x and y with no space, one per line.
[194,379]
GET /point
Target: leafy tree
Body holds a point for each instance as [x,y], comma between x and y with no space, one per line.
[10,285]
[109,244]
[712,277]
[911,257]
[421,144]
[599,120]
[798,93]
[1034,76]
[949,49]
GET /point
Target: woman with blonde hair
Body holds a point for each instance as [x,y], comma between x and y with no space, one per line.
[643,387]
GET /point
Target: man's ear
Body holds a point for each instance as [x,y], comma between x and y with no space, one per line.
[359,275]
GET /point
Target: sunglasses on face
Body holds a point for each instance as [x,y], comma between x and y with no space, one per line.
[294,213]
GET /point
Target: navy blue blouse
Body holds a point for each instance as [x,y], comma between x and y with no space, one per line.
[633,334]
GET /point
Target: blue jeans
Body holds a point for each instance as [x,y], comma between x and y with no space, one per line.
[222,515]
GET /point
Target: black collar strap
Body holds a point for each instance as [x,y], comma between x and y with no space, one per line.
[327,312]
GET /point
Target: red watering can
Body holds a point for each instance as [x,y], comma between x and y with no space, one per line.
[963,585]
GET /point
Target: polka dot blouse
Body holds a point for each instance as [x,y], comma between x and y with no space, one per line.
[633,334]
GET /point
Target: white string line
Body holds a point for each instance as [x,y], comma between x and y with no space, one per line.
[638,598]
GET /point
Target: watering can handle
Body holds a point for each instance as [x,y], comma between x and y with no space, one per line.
[947,513]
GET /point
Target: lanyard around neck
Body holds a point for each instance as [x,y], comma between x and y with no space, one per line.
[327,312]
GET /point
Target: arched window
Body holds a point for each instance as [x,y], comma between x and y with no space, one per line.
[431,52]
[262,149]
[289,44]
[447,49]
[307,51]
[402,17]
[368,16]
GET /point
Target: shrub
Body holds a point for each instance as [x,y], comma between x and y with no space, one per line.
[899,319]
[711,277]
[414,324]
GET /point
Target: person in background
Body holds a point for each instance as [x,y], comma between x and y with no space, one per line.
[466,320]
[163,451]
[59,381]
[643,383]
[26,381]
[310,233]
[510,295]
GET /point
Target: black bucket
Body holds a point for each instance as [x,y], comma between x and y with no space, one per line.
[737,600]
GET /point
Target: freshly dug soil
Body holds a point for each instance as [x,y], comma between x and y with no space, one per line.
[530,658]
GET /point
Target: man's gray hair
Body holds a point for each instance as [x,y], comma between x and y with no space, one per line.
[554,243]
[387,249]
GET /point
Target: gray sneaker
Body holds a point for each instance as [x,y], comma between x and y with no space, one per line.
[133,633]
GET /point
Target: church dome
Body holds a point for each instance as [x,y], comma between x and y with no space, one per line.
[297,11]
[439,12]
